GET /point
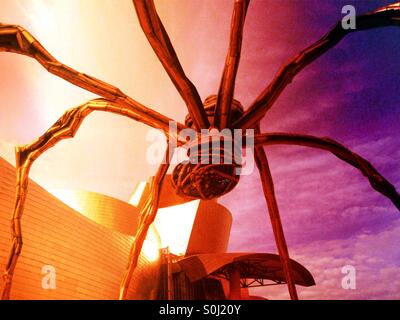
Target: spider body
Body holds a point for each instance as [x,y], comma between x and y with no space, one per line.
[214,161]
[193,178]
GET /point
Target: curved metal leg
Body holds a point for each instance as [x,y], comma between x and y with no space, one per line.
[162,46]
[65,128]
[273,210]
[386,16]
[227,85]
[377,181]
[17,40]
[147,216]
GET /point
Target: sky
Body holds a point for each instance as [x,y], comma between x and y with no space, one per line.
[331,215]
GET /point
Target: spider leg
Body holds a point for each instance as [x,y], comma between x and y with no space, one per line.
[16,232]
[386,16]
[377,181]
[227,85]
[17,40]
[65,128]
[273,210]
[162,46]
[147,215]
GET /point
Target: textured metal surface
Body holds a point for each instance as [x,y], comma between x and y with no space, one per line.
[17,40]
[89,259]
[204,181]
[66,127]
[102,209]
[211,229]
[253,266]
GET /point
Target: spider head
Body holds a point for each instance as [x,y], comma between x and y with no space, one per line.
[209,106]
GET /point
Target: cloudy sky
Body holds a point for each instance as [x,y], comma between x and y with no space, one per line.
[331,216]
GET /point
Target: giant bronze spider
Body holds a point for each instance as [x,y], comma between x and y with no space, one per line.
[220,111]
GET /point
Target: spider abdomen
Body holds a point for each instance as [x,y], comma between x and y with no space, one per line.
[210,172]
[204,181]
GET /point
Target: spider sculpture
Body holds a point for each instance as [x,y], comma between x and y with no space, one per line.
[220,112]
